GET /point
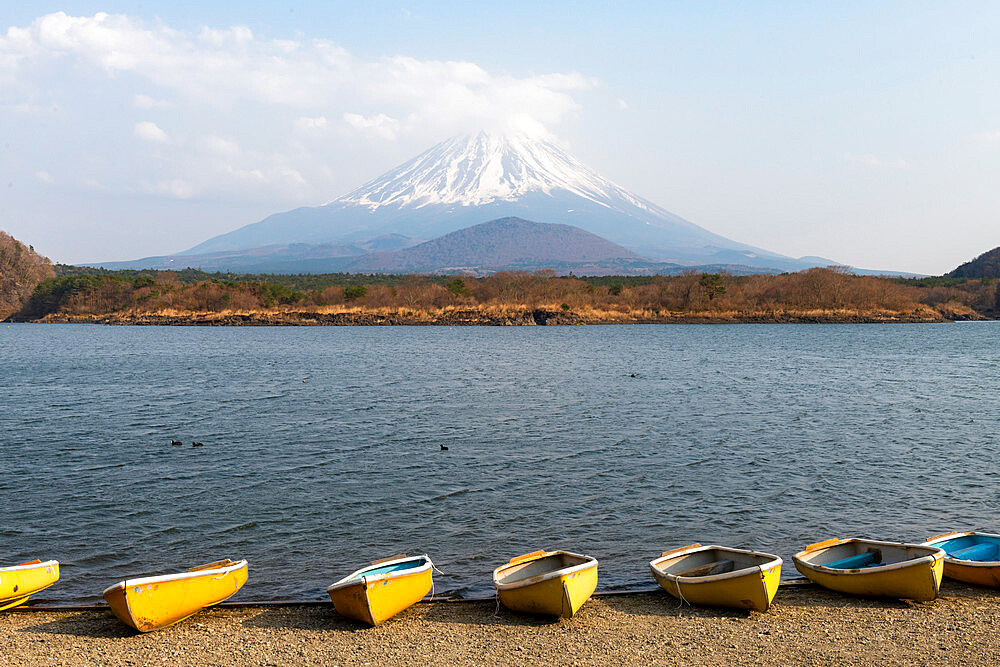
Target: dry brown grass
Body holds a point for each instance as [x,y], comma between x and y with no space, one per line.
[821,295]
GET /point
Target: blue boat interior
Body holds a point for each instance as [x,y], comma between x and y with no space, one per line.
[978,548]
[857,561]
[386,569]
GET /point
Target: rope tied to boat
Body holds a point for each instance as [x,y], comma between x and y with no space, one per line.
[680,595]
[434,567]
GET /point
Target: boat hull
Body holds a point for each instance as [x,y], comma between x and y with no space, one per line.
[19,582]
[752,583]
[916,575]
[972,574]
[375,598]
[556,592]
[152,603]
[979,573]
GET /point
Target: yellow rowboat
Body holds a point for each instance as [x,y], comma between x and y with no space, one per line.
[874,569]
[719,576]
[383,589]
[18,582]
[970,557]
[151,603]
[554,583]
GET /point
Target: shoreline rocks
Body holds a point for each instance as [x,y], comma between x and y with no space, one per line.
[484,317]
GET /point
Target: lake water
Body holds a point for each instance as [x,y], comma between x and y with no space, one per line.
[323,445]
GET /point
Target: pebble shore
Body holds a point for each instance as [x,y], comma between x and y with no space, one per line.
[805,626]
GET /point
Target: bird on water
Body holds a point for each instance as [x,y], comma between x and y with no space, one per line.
[176,443]
[443,448]
[197,444]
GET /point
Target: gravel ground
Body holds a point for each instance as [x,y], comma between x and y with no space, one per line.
[806,625]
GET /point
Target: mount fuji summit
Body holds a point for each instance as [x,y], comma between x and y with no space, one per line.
[468,180]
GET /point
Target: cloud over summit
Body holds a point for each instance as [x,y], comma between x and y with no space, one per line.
[266,95]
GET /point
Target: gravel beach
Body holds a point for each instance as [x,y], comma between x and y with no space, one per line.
[806,625]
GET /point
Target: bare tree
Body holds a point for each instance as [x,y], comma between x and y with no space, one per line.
[21,268]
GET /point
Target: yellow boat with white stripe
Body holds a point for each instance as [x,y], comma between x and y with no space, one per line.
[383,589]
[18,582]
[553,583]
[151,603]
[874,569]
[719,576]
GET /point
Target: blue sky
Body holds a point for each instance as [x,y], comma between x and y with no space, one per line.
[867,132]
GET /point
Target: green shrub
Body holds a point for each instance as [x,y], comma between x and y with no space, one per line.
[271,293]
[712,283]
[457,287]
[352,292]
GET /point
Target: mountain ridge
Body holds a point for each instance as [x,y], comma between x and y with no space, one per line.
[464,181]
[505,244]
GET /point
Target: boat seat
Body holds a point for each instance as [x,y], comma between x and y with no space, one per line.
[977,552]
[867,559]
[708,569]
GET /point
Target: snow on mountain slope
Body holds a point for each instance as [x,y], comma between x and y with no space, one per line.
[477,170]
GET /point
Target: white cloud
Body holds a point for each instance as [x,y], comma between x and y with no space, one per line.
[622,104]
[379,125]
[236,36]
[219,145]
[250,117]
[567,81]
[149,131]
[306,123]
[175,188]
[876,162]
[26,108]
[229,66]
[146,102]
[988,138]
[44,176]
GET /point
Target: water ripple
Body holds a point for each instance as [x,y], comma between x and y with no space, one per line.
[765,436]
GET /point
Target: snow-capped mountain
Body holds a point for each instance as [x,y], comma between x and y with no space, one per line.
[467,180]
[478,170]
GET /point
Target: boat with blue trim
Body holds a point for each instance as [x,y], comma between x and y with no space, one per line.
[383,589]
[971,556]
[874,568]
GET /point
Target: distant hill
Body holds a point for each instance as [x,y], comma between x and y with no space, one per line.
[504,244]
[986,265]
[279,258]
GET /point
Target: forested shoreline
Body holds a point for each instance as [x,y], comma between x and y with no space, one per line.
[33,290]
[542,297]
